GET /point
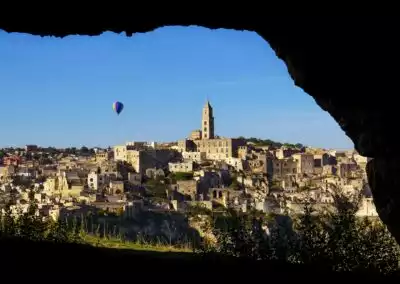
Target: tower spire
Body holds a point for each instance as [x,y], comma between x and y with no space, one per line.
[207,104]
[207,121]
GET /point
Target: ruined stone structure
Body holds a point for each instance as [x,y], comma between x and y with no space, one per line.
[344,64]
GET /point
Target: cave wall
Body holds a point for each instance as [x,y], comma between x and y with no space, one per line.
[343,62]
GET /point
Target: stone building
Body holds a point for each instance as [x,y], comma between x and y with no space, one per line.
[102,156]
[207,122]
[116,187]
[155,173]
[285,152]
[184,167]
[195,134]
[259,163]
[305,163]
[141,158]
[219,149]
[187,188]
[236,163]
[367,208]
[346,169]
[283,167]
[64,185]
[186,145]
[31,148]
[194,156]
[243,152]
[215,148]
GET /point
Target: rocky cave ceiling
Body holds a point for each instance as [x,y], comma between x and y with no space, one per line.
[346,63]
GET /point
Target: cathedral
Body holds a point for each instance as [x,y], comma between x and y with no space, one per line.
[207,124]
[204,140]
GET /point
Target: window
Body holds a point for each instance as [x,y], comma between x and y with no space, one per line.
[205,129]
[205,122]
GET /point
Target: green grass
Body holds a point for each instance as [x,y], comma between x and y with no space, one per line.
[116,243]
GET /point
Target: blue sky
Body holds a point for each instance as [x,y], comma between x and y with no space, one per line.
[60,91]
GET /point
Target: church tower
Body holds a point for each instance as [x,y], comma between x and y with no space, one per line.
[207,122]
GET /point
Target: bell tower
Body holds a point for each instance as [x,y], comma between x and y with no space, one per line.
[207,122]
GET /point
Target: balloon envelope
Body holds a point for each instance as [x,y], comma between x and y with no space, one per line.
[118,107]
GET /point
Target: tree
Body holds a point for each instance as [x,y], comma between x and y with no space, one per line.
[28,156]
[235,184]
[84,150]
[181,176]
[156,188]
[336,239]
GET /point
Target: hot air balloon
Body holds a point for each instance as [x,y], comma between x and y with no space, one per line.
[118,107]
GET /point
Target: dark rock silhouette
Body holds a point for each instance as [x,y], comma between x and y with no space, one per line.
[81,262]
[343,62]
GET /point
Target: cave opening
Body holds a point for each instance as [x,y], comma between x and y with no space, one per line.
[339,82]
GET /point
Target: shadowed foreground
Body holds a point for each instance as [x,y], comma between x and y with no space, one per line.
[80,262]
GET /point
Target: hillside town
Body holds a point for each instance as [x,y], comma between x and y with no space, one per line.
[203,169]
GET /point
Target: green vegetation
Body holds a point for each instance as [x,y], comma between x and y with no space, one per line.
[235,184]
[269,142]
[91,229]
[181,176]
[156,188]
[338,240]
[118,243]
[71,151]
[50,150]
[79,231]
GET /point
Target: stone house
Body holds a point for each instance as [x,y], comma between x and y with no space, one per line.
[305,163]
[183,167]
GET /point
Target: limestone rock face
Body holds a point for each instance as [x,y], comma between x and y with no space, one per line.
[203,225]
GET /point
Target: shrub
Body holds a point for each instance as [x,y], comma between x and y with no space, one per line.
[338,239]
[182,176]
